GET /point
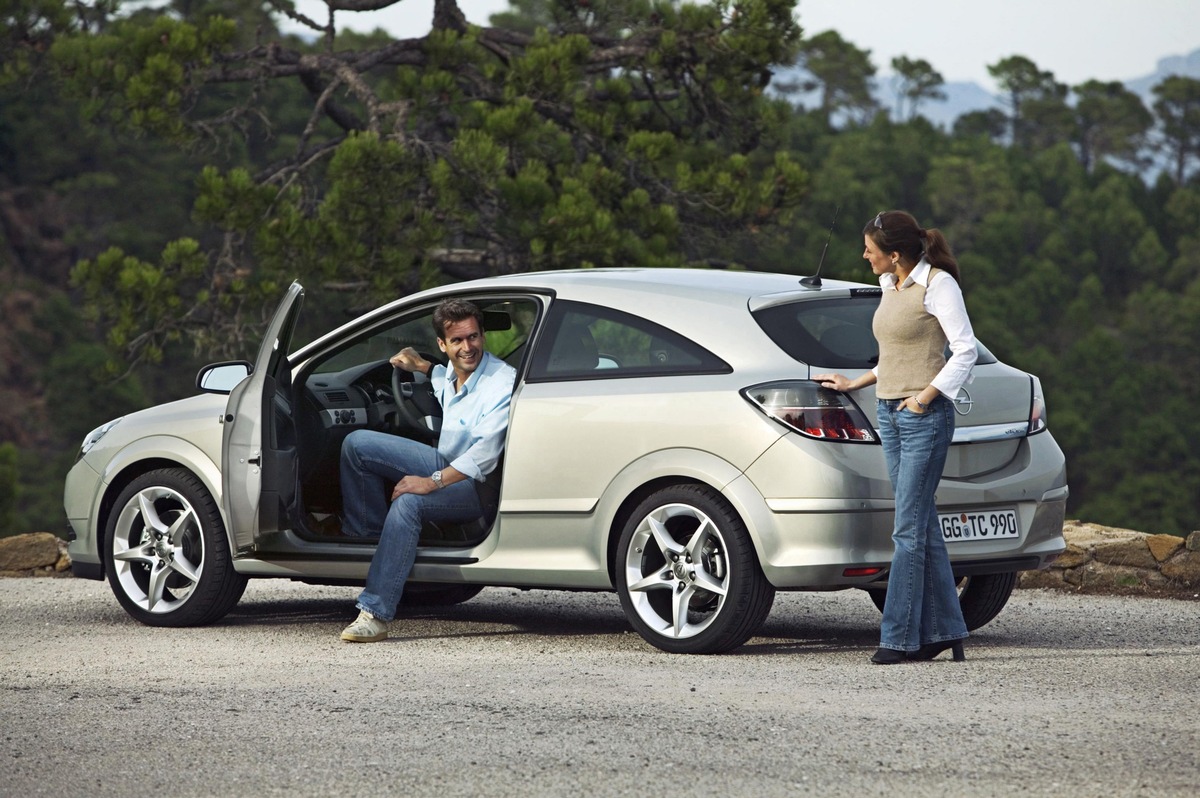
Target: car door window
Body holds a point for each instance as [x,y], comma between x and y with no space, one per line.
[585,341]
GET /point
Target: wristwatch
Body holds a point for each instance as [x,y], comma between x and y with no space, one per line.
[437,479]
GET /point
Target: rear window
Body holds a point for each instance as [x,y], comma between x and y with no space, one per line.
[832,333]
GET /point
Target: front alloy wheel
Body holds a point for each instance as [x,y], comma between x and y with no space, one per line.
[687,574]
[166,554]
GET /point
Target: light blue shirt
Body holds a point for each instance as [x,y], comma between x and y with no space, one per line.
[474,419]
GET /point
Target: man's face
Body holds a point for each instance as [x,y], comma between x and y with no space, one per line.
[463,345]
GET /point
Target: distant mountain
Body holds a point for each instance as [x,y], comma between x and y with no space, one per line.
[964,97]
[1186,65]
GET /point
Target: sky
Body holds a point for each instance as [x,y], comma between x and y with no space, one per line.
[1077,40]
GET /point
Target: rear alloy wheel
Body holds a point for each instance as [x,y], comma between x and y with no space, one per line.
[687,573]
[981,597]
[166,553]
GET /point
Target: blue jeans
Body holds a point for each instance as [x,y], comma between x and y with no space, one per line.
[922,600]
[372,464]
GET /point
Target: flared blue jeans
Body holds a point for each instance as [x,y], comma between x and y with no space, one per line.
[922,599]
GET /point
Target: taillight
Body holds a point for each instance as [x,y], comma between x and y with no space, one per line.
[1037,409]
[813,411]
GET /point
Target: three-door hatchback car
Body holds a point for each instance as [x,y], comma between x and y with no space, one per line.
[666,441]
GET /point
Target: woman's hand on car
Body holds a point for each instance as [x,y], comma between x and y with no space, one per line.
[834,382]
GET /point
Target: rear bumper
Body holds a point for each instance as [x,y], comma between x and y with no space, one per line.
[813,549]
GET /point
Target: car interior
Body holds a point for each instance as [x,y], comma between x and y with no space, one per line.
[354,386]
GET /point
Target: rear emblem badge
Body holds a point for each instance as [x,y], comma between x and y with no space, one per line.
[963,402]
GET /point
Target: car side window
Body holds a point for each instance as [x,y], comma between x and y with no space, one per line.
[583,341]
[507,322]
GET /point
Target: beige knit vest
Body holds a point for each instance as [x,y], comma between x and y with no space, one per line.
[911,342]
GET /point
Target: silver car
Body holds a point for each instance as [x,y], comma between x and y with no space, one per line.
[666,442]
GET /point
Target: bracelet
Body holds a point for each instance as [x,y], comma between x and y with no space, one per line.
[921,404]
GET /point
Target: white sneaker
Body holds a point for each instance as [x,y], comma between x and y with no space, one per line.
[365,629]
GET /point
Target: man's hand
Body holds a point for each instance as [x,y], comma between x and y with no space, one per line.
[411,484]
[424,485]
[410,360]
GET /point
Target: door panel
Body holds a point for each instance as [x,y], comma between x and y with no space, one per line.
[258,468]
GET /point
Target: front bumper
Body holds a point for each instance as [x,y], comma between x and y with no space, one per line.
[79,500]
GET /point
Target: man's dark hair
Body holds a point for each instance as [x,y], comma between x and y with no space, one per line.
[452,311]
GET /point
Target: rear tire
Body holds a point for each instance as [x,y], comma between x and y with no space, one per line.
[981,597]
[166,552]
[687,573]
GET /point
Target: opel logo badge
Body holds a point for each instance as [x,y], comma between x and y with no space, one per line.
[963,402]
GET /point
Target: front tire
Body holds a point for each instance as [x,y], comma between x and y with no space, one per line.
[981,597]
[166,553]
[687,573]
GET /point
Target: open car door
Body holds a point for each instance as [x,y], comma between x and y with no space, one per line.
[258,463]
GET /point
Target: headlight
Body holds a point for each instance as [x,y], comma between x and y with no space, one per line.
[93,437]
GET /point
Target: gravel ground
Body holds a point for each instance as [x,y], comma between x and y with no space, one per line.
[543,693]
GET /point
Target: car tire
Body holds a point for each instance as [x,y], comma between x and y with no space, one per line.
[687,573]
[429,594]
[166,552]
[981,597]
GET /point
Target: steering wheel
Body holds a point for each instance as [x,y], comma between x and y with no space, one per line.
[413,393]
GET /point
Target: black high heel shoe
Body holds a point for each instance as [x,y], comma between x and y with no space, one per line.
[931,650]
[889,656]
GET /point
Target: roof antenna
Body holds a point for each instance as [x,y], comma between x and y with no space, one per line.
[815,280]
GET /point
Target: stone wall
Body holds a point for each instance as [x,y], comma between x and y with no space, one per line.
[1107,558]
[1097,558]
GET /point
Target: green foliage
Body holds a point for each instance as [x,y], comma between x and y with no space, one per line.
[143,300]
[1112,123]
[8,488]
[919,81]
[141,75]
[1177,105]
[840,71]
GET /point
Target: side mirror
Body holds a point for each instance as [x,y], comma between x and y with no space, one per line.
[223,377]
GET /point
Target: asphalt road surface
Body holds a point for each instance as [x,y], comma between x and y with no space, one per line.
[551,694]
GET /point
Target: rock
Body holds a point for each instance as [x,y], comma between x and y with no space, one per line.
[1184,569]
[1096,574]
[27,552]
[1049,577]
[1073,557]
[1133,553]
[1090,535]
[1164,546]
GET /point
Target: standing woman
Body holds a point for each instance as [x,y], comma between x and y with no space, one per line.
[921,311]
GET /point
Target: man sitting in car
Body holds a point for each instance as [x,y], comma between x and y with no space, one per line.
[425,483]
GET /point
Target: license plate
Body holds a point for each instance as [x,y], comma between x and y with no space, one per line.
[987,525]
